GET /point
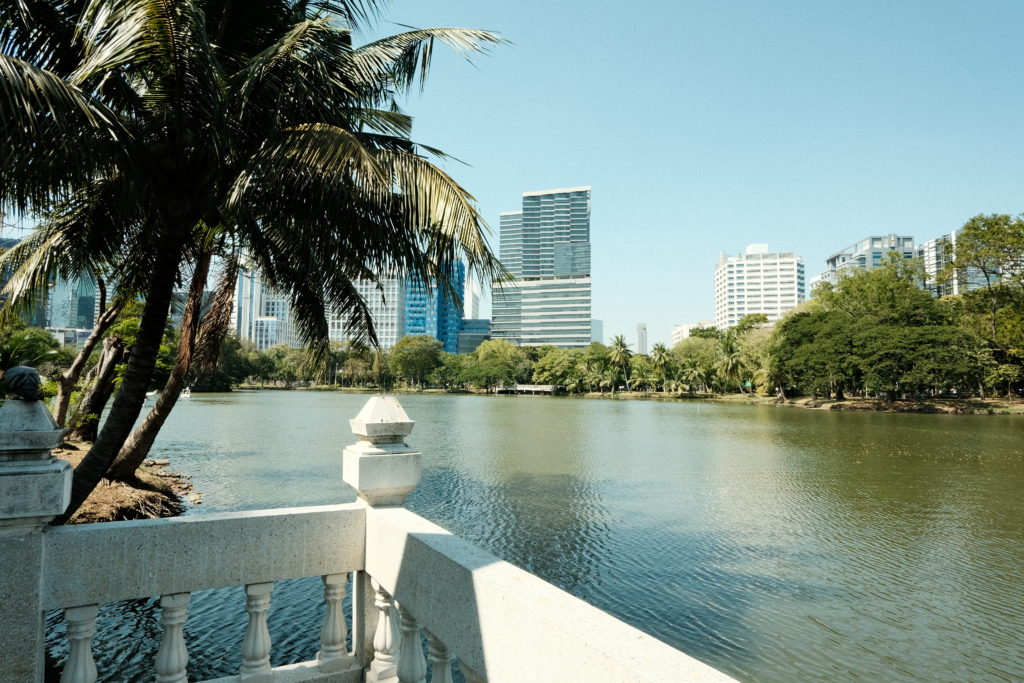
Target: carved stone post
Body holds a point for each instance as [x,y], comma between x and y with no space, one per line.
[383,470]
[380,466]
[80,667]
[440,660]
[172,659]
[35,487]
[384,668]
[412,667]
[332,654]
[256,644]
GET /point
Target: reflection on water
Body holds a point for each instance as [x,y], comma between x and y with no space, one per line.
[775,544]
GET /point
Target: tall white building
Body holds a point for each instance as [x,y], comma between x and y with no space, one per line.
[641,338]
[261,313]
[757,281]
[386,301]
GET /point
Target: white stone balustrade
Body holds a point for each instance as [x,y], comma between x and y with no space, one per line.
[409,577]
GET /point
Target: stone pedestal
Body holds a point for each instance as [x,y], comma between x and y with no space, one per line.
[380,466]
[35,487]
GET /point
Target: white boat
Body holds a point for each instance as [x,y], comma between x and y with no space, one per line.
[186,392]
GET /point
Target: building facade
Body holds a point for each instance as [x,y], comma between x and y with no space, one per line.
[261,314]
[474,332]
[435,312]
[865,254]
[546,249]
[386,300]
[941,279]
[641,338]
[681,332]
[757,281]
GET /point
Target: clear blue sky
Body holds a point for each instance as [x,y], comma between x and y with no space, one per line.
[705,126]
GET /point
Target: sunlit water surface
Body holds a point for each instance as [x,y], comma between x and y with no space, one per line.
[773,543]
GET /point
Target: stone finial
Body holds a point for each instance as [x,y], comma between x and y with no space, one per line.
[380,466]
[382,420]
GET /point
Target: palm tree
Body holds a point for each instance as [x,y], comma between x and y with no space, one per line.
[730,360]
[146,130]
[661,359]
[619,355]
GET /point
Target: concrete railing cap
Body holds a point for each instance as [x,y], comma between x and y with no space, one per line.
[382,416]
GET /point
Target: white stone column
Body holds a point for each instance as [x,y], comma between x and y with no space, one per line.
[256,643]
[380,466]
[35,487]
[333,652]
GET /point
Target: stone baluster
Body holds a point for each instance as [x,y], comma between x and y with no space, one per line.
[440,660]
[412,667]
[35,487]
[81,622]
[384,667]
[172,658]
[333,653]
[256,644]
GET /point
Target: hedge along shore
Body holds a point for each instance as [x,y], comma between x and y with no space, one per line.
[158,492]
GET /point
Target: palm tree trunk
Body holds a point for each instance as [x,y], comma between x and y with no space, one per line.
[137,447]
[96,397]
[129,399]
[66,382]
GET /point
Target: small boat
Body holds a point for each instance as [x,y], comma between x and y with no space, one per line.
[186,392]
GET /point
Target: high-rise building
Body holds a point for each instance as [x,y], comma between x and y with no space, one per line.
[596,330]
[474,332]
[436,313]
[471,303]
[641,338]
[386,300]
[866,254]
[261,313]
[546,248]
[940,278]
[757,281]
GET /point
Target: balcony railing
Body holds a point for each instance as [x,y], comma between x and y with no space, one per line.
[415,587]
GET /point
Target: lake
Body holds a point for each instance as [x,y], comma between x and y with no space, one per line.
[774,543]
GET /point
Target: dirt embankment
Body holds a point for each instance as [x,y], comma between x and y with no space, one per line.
[158,492]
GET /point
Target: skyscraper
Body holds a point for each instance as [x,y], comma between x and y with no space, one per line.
[866,254]
[757,281]
[435,313]
[546,248]
[641,338]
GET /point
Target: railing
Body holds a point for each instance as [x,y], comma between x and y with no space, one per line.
[415,587]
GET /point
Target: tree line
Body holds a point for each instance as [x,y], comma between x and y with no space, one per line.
[875,333]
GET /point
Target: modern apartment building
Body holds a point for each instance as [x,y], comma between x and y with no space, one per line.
[940,279]
[436,312]
[546,248]
[474,332]
[757,281]
[865,254]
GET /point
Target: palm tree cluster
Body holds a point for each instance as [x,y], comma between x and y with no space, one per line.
[154,138]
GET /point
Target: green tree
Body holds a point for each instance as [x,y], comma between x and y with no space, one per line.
[619,355]
[145,130]
[413,358]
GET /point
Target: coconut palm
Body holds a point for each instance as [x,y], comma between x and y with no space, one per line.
[730,364]
[619,355]
[661,359]
[147,130]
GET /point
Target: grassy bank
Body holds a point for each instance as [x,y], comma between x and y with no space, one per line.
[157,492]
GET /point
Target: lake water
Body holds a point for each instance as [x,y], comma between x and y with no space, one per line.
[773,543]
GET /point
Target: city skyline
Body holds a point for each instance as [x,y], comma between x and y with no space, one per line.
[802,126]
